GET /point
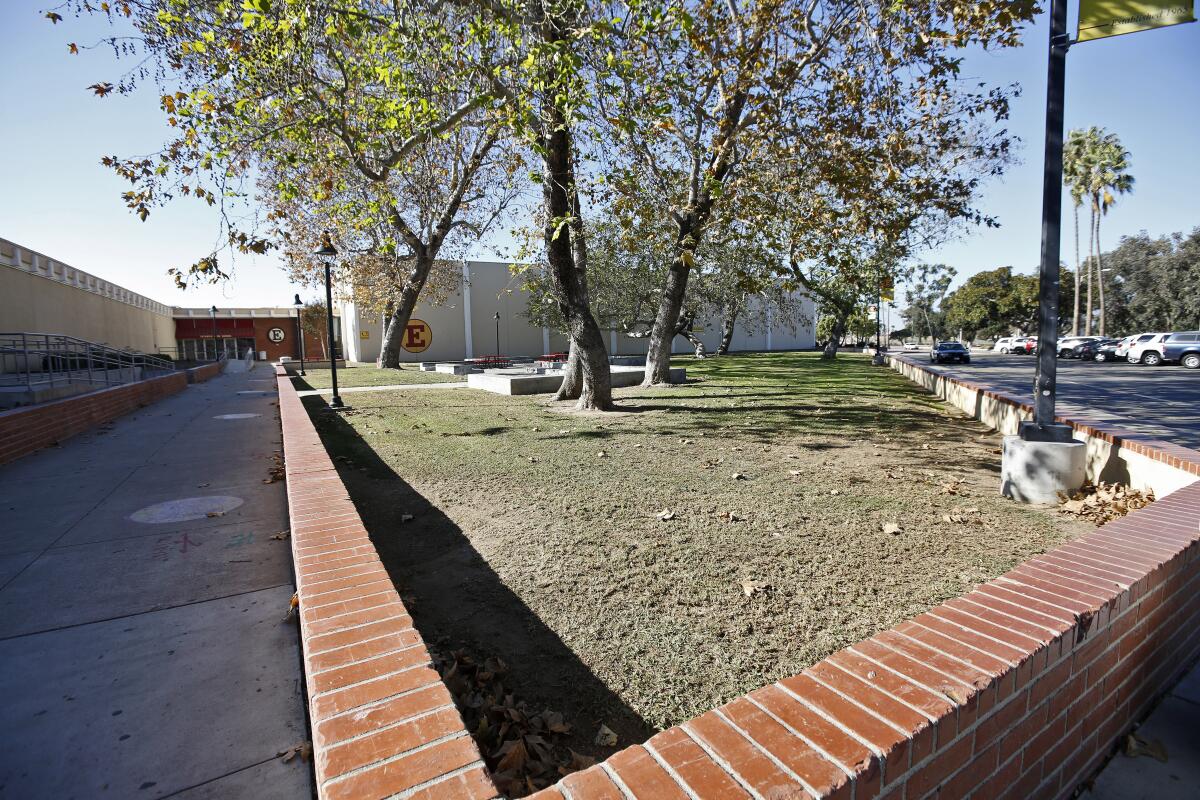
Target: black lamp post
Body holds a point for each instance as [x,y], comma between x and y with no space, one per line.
[299,330]
[212,313]
[497,318]
[326,253]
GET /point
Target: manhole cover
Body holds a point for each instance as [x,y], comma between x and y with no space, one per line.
[188,508]
[236,416]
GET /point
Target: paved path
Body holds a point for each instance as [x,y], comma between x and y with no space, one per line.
[1159,401]
[1173,724]
[143,651]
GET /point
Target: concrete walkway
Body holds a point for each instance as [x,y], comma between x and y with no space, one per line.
[1174,724]
[143,647]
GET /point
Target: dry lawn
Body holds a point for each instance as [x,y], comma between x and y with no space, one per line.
[538,535]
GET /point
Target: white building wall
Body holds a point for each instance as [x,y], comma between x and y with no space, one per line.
[488,287]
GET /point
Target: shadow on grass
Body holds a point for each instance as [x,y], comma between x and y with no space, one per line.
[457,600]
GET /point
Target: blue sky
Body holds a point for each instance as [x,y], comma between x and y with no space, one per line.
[58,199]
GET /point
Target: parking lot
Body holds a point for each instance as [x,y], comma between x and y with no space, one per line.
[1161,401]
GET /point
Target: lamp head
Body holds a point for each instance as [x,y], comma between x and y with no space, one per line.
[326,250]
[296,304]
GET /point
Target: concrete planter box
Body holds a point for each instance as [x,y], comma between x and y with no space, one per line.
[503,382]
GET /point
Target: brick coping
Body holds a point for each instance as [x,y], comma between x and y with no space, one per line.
[1017,689]
[1174,455]
[383,723]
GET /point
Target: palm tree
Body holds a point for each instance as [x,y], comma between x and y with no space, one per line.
[1074,172]
[1094,166]
[1109,176]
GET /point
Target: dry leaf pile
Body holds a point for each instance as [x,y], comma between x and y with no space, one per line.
[523,749]
[1105,502]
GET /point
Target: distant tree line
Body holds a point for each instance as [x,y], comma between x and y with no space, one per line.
[1149,284]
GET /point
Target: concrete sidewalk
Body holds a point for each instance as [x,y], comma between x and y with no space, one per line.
[1173,724]
[143,647]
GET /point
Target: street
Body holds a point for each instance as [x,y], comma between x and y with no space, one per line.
[1159,401]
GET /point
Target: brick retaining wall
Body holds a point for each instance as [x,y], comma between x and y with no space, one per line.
[1018,689]
[383,723]
[28,429]
[205,372]
[1114,454]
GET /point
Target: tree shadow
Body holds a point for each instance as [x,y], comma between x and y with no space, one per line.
[457,600]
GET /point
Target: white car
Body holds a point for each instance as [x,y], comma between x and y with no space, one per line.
[1066,345]
[1004,345]
[1145,349]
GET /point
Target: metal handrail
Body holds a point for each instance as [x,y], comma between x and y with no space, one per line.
[54,359]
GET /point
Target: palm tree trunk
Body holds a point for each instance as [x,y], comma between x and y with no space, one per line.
[1100,273]
[1075,315]
[1087,320]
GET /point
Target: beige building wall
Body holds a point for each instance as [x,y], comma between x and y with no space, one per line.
[41,295]
[486,287]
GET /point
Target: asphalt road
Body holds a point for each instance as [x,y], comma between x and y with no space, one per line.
[1161,401]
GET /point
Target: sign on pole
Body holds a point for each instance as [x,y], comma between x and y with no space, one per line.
[1099,19]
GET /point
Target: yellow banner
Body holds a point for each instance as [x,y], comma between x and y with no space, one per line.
[1099,19]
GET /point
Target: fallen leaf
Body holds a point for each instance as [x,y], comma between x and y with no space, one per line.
[304,750]
[605,737]
[835,491]
[751,588]
[515,757]
[739,476]
[891,528]
[280,536]
[794,472]
[602,454]
[406,518]
[215,514]
[666,515]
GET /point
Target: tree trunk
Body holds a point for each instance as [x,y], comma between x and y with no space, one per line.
[1087,320]
[839,330]
[1100,274]
[728,320]
[1075,315]
[402,309]
[666,322]
[684,329]
[572,385]
[570,286]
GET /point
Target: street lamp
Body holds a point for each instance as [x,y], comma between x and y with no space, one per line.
[497,318]
[212,313]
[326,253]
[299,330]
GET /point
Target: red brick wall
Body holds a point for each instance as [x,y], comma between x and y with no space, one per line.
[205,372]
[312,344]
[383,723]
[26,430]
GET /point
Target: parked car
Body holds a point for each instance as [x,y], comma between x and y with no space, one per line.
[1182,347]
[1143,349]
[949,351]
[1089,349]
[1122,348]
[1067,344]
[1111,351]
[911,346]
[1025,345]
[1004,344]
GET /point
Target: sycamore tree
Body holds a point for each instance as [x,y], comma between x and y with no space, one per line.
[367,119]
[696,89]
